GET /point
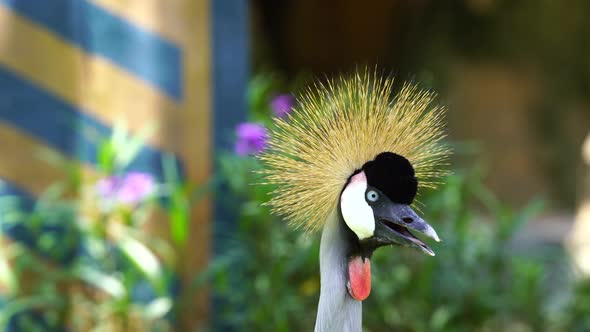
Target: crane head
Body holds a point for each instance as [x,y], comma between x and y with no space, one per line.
[375,206]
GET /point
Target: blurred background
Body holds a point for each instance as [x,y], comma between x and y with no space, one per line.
[128,130]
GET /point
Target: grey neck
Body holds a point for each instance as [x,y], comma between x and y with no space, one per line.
[337,311]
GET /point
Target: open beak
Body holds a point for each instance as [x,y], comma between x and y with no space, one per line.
[394,222]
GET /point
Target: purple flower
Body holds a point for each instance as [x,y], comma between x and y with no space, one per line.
[282,105]
[251,138]
[129,189]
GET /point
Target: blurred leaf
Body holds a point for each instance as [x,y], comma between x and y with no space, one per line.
[158,308]
[439,318]
[143,258]
[7,276]
[179,209]
[126,146]
[116,153]
[106,156]
[102,281]
[170,167]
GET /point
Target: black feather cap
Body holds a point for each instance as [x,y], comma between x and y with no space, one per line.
[393,175]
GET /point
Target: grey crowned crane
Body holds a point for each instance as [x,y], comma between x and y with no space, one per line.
[349,160]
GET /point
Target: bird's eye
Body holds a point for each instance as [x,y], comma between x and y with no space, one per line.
[372,196]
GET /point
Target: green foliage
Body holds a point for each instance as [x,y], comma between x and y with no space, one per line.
[83,259]
[275,268]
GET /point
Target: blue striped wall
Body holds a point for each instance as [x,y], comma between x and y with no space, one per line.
[60,125]
[65,126]
[97,31]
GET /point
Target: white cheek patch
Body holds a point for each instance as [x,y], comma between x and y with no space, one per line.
[357,213]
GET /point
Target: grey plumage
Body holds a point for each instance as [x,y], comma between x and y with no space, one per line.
[337,311]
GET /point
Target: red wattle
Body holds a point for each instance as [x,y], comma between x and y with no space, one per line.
[359,277]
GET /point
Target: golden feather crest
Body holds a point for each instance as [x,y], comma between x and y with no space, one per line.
[335,129]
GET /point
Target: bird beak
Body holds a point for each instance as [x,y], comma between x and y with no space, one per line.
[394,222]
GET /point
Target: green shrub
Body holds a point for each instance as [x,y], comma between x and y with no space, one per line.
[80,258]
